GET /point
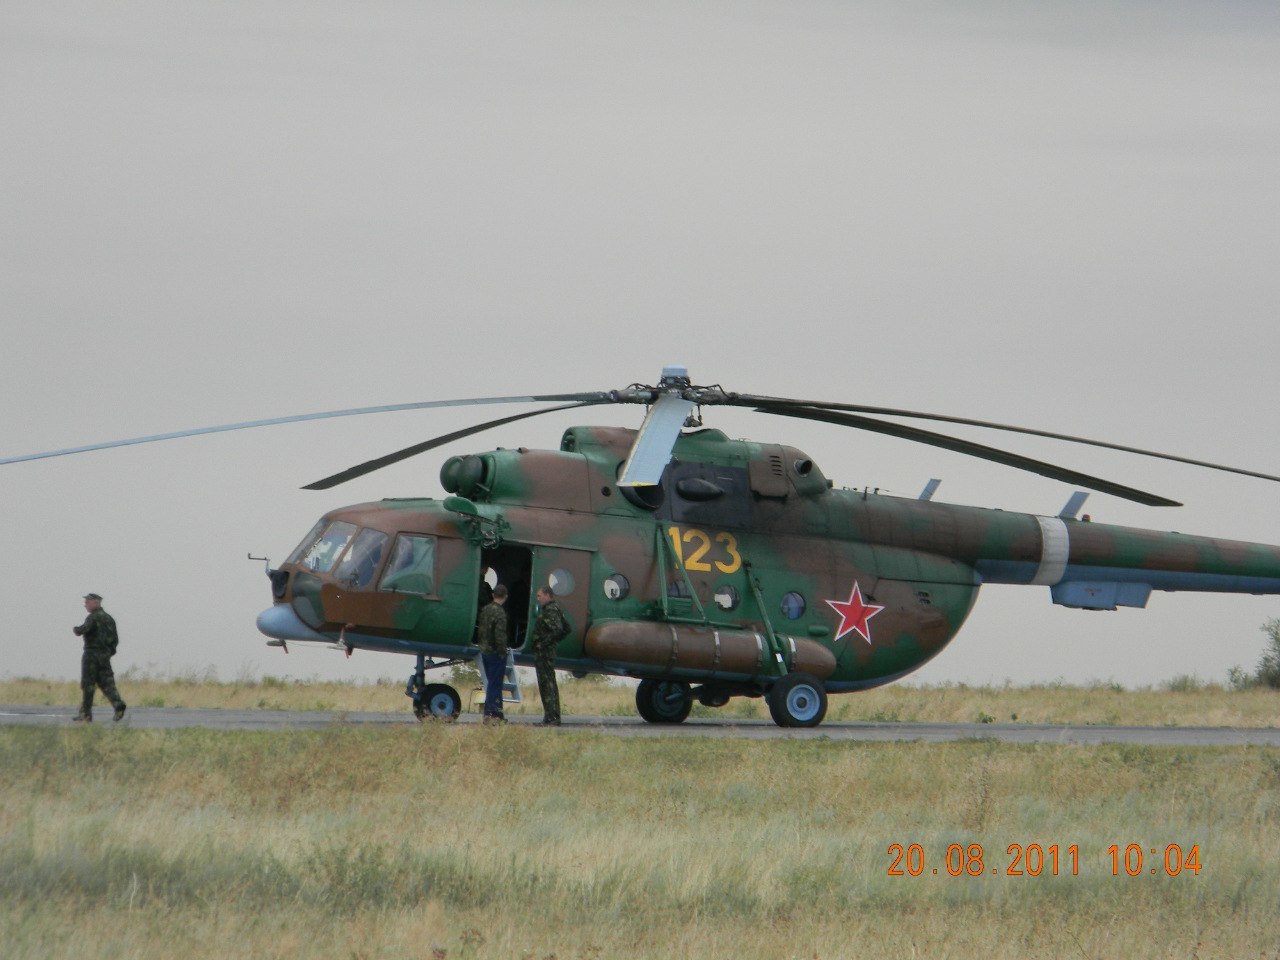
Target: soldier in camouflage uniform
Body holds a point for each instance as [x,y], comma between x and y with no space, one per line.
[549,629]
[100,642]
[491,638]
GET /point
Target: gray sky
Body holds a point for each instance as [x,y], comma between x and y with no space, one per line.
[1061,215]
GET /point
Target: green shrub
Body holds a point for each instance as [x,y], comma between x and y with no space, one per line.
[1268,672]
[464,676]
[1269,664]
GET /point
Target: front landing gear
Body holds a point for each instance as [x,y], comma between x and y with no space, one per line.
[439,701]
[436,700]
[664,701]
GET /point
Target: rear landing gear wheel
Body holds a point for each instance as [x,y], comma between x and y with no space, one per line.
[797,700]
[439,702]
[664,701]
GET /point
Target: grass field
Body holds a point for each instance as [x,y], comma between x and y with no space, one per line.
[444,841]
[1183,702]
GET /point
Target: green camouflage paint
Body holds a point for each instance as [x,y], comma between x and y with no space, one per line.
[750,540]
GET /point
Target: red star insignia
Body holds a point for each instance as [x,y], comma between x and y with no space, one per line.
[854,614]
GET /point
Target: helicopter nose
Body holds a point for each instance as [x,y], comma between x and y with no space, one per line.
[281,623]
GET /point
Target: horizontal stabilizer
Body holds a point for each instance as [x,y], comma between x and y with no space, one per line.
[1092,595]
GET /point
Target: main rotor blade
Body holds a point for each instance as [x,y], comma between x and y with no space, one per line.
[972,449]
[371,465]
[654,442]
[779,402]
[583,398]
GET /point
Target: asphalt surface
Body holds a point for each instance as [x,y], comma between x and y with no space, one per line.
[169,718]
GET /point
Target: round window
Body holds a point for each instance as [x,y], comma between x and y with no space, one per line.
[727,598]
[561,582]
[793,606]
[617,587]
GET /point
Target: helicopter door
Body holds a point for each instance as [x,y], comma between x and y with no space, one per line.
[512,566]
[568,573]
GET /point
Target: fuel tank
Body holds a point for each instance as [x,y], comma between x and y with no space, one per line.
[698,652]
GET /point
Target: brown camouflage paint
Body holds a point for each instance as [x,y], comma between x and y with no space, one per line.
[779,529]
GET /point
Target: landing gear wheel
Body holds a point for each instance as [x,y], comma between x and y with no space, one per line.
[664,701]
[797,700]
[439,701]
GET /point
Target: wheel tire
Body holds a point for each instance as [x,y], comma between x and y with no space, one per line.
[664,701]
[797,700]
[439,702]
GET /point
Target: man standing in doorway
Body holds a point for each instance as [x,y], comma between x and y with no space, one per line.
[549,629]
[491,638]
[100,642]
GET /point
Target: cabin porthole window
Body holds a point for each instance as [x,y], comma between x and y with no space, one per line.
[727,598]
[617,587]
[792,606]
[561,582]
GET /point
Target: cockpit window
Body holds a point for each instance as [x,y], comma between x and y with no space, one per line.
[362,560]
[411,568]
[320,556]
[308,541]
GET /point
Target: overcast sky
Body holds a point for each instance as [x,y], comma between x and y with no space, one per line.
[1064,215]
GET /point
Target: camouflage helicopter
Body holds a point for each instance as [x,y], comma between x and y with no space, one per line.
[704,567]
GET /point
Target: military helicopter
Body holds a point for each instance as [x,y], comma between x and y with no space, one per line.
[707,568]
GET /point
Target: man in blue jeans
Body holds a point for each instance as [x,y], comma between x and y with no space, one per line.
[491,638]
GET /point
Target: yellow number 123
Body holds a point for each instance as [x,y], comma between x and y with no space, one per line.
[701,541]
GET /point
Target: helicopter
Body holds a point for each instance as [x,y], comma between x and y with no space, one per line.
[705,567]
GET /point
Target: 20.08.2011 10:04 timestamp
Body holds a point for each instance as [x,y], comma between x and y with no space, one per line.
[1035,859]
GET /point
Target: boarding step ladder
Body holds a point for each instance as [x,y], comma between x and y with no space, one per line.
[510,682]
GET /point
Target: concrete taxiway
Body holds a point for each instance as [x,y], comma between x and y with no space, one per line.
[169,718]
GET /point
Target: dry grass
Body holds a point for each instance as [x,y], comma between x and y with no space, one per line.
[1186,705]
[457,842]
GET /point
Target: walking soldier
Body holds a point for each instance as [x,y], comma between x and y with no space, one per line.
[100,642]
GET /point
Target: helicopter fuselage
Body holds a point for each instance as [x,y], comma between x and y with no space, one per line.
[744,565]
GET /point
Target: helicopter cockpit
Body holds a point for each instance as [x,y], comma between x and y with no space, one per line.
[351,555]
[362,566]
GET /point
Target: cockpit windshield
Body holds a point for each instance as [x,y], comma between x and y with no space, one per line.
[324,548]
[358,566]
[307,541]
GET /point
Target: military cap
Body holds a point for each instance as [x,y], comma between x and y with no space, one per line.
[93,596]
